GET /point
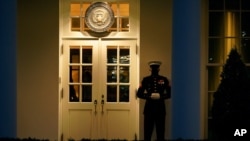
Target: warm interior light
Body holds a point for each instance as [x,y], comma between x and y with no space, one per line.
[230,32]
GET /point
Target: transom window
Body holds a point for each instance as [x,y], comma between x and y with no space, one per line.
[121,13]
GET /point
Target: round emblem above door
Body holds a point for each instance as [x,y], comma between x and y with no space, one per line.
[99,17]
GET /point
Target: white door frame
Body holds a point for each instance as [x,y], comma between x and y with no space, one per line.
[136,116]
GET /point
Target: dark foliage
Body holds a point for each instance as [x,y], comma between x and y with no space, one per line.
[231,105]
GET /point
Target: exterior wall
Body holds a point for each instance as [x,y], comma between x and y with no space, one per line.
[155,44]
[37,69]
[38,63]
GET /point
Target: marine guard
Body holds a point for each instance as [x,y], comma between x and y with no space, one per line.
[154,89]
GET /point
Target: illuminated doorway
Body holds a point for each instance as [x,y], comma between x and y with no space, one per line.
[98,74]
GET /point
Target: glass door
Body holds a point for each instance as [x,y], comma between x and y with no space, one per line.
[119,89]
[99,83]
[79,99]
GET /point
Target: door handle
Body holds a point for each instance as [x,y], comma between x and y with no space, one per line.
[95,103]
[102,102]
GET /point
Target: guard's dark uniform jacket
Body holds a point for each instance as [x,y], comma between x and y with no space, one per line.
[154,84]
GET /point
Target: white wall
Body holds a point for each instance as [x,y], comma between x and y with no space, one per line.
[37,69]
[155,44]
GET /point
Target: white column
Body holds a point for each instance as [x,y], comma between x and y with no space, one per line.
[8,68]
[186,118]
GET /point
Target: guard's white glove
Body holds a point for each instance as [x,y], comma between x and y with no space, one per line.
[155,96]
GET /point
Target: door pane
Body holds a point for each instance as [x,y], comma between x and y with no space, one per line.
[124,55]
[86,93]
[111,74]
[74,89]
[87,74]
[124,93]
[74,74]
[87,55]
[124,74]
[112,54]
[111,93]
[74,93]
[74,54]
